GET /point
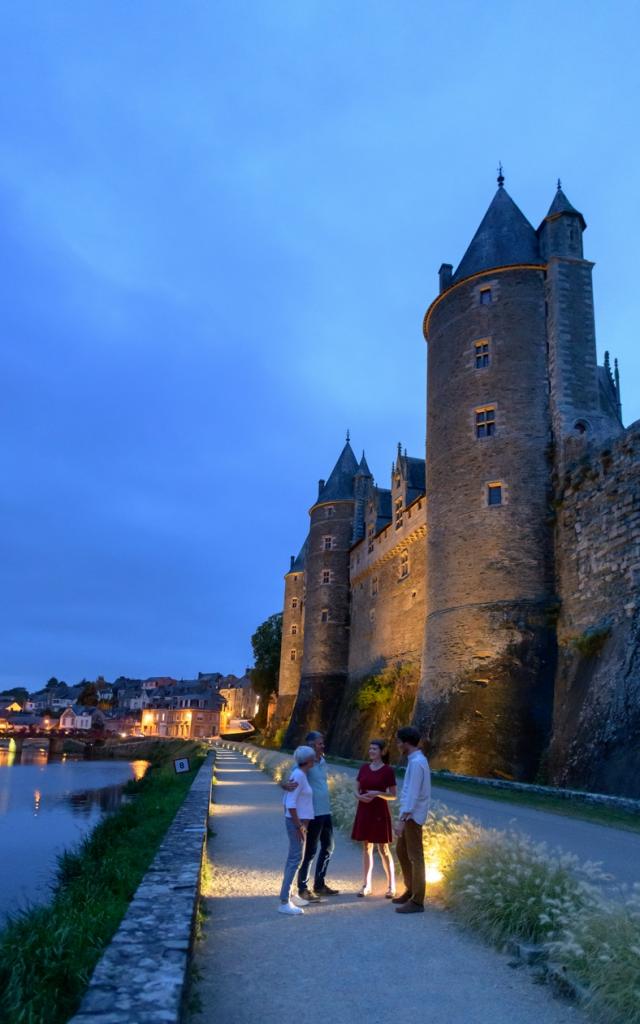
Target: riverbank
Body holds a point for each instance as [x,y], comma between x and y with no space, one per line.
[47,955]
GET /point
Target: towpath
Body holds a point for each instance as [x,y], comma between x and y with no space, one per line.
[345,958]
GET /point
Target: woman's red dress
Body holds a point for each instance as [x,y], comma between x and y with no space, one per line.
[373,821]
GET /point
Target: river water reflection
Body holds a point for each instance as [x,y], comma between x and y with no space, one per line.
[46,808]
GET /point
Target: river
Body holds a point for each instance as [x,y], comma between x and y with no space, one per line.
[46,808]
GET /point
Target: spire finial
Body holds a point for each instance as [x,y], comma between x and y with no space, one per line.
[500,175]
[559,185]
[348,437]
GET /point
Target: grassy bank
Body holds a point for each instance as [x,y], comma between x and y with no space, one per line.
[47,954]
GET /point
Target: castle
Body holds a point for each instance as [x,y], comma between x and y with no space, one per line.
[491,594]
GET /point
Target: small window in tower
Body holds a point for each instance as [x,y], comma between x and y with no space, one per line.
[324,615]
[327,543]
[486,421]
[404,564]
[494,494]
[485,296]
[294,630]
[481,353]
[398,512]
[294,602]
[292,654]
[372,615]
[326,576]
[329,511]
[374,586]
[398,480]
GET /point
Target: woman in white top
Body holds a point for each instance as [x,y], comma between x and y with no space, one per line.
[298,811]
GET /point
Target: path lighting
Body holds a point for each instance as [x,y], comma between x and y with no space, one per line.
[432,874]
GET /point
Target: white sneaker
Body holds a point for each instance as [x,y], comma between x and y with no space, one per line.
[289,908]
[298,901]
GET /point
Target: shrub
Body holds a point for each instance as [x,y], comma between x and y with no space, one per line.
[505,886]
[600,947]
[590,643]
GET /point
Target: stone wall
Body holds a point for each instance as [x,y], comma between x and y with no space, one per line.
[596,736]
[142,975]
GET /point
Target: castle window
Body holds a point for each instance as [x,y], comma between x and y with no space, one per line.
[398,512]
[581,427]
[326,575]
[292,654]
[370,532]
[294,630]
[374,586]
[398,480]
[481,349]
[485,296]
[404,564]
[329,511]
[372,615]
[294,602]
[486,421]
[327,543]
[324,615]
[494,494]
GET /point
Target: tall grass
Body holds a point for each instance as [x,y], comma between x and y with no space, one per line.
[47,954]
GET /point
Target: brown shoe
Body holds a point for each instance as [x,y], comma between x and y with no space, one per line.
[402,898]
[310,897]
[410,908]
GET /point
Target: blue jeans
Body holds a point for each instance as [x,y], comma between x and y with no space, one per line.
[319,830]
[293,859]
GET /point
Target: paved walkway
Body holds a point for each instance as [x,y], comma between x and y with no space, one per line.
[344,958]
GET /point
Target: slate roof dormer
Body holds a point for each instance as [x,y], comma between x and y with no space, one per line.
[561,205]
[339,486]
[505,237]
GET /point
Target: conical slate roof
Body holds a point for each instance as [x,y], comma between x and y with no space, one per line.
[504,237]
[298,563]
[561,204]
[340,483]
[363,468]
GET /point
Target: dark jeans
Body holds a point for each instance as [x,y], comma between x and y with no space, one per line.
[411,856]
[319,831]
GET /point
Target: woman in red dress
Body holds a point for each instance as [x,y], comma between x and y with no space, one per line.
[375,786]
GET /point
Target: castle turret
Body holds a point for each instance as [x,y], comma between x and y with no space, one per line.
[292,638]
[362,489]
[580,400]
[486,690]
[326,643]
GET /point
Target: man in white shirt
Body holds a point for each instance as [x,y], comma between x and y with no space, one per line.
[413,811]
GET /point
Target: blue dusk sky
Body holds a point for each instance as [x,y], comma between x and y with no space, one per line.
[221,224]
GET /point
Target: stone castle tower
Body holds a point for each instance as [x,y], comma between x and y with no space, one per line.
[479,575]
[512,374]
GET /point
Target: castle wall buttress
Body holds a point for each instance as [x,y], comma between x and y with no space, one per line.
[596,734]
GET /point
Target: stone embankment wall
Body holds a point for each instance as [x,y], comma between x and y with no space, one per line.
[142,974]
[596,737]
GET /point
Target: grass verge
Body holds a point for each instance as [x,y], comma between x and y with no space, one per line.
[47,954]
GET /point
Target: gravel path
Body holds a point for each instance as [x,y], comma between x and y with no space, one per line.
[343,958]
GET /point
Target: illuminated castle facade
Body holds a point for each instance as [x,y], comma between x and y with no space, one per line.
[506,576]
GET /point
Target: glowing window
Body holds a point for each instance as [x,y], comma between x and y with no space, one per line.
[494,494]
[481,349]
[486,421]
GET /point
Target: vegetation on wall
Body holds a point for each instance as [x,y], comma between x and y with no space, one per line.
[375,705]
[590,643]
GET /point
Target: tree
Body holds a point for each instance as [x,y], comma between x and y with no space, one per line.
[266,642]
[51,683]
[89,696]
[18,693]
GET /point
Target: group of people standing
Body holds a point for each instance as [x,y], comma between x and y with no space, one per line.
[309,826]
